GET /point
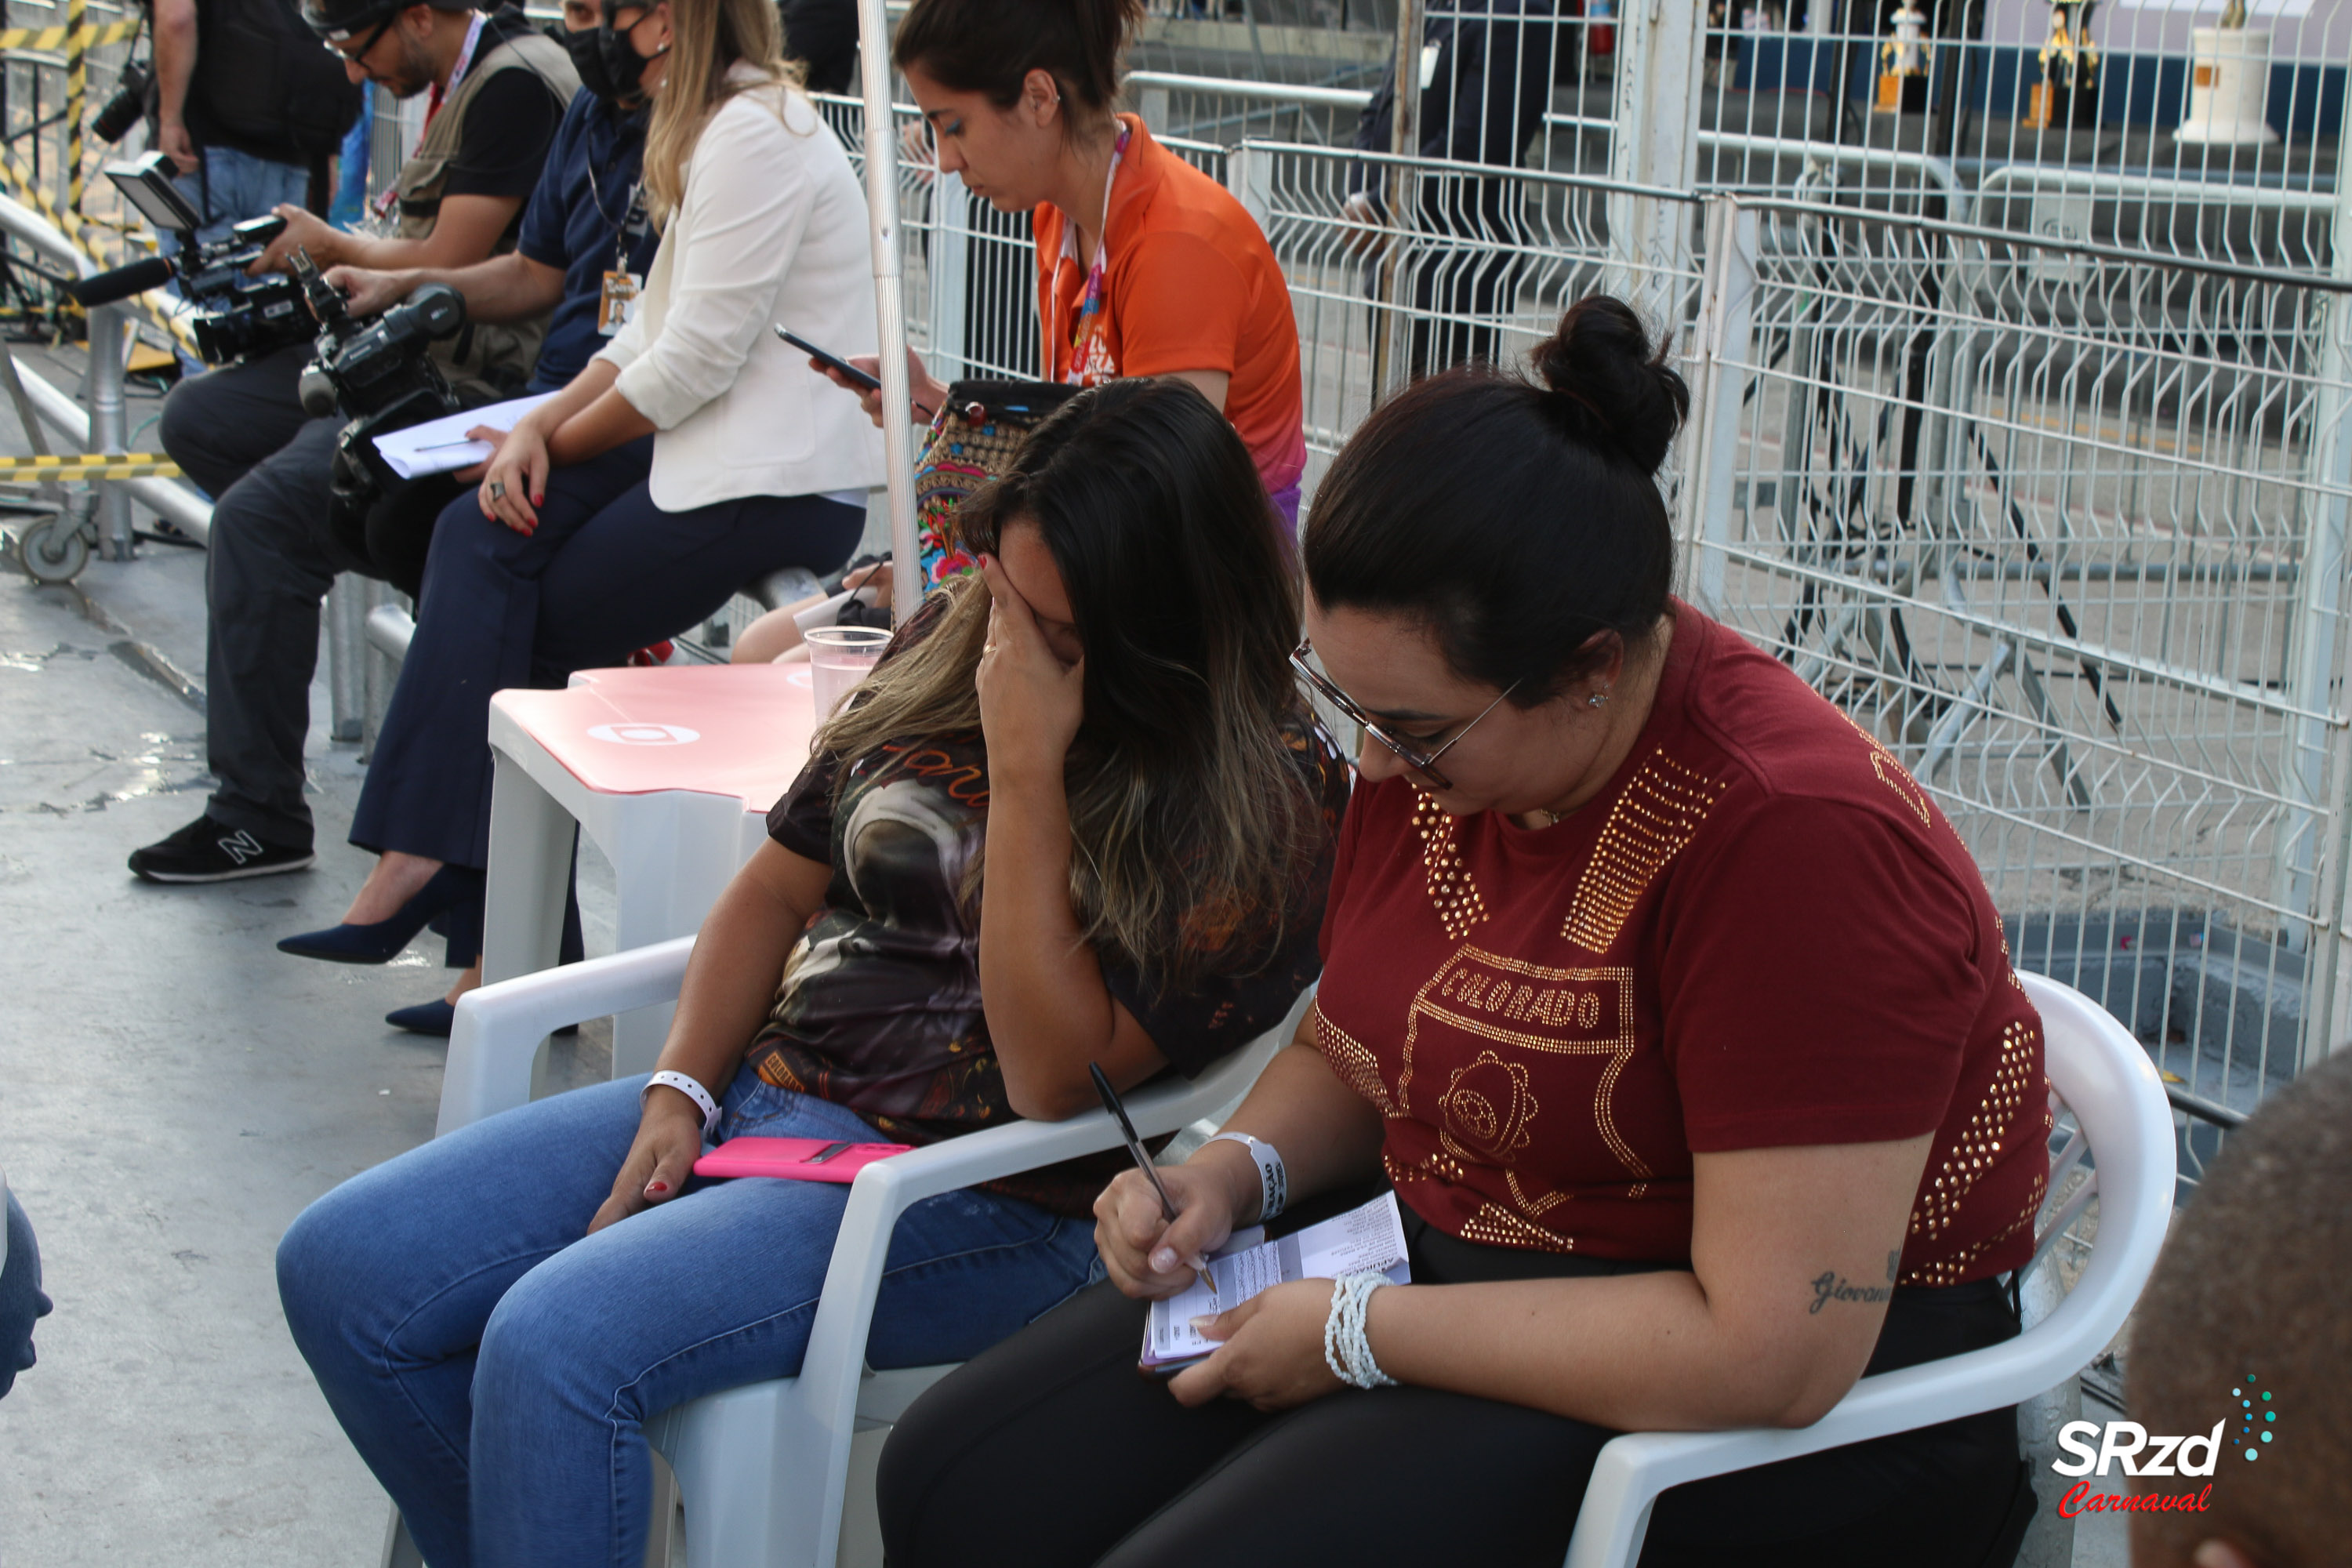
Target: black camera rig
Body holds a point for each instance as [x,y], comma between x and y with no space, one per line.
[242,316]
[381,374]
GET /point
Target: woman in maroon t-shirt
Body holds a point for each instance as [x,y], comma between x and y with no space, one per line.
[1676,1015]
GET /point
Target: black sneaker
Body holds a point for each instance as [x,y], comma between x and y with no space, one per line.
[207,850]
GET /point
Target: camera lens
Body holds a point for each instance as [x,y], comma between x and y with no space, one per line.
[125,109]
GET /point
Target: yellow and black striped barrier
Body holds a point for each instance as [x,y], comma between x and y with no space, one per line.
[66,36]
[86,465]
[19,182]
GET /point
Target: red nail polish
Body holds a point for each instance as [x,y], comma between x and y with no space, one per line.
[657,1186]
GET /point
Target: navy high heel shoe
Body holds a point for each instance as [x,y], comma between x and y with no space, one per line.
[383,942]
[434,1018]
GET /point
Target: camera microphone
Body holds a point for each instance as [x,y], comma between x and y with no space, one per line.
[122,282]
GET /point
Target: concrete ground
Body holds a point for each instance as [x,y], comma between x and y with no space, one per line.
[173,1091]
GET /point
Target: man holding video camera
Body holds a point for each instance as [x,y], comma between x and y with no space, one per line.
[498,89]
[491,139]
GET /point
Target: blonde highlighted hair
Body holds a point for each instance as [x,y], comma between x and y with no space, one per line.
[708,39]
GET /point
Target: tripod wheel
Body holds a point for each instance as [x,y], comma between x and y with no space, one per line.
[53,549]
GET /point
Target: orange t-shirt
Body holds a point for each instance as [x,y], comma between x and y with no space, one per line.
[1190,284]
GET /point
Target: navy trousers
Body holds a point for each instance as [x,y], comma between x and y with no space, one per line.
[606,572]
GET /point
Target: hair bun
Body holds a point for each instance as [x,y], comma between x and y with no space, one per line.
[1604,375]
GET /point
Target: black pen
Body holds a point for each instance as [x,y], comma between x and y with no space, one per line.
[1143,1161]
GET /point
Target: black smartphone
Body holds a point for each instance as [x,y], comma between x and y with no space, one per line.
[864,378]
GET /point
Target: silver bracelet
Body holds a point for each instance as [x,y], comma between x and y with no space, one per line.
[692,1091]
[1274,1183]
[1346,1351]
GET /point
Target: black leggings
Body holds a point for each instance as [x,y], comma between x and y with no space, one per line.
[1052,1449]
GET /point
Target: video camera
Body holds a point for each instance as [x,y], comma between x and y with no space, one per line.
[243,316]
[381,374]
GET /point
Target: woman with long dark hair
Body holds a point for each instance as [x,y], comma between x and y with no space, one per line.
[1077,813]
[1676,1018]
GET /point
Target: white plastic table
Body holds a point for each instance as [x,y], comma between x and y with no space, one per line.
[670,772]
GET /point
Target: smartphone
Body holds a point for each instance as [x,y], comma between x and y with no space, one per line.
[799,1159]
[864,378]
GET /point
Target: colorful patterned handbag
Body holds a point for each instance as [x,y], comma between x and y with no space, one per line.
[972,439]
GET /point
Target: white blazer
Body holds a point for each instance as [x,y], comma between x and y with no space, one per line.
[773,230]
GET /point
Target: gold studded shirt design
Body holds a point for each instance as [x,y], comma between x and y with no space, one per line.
[1659,813]
[1763,934]
[2015,1105]
[1357,1068]
[1451,890]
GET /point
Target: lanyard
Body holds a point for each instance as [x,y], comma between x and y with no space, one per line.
[442,90]
[441,95]
[1085,334]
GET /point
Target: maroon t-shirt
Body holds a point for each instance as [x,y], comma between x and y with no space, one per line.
[1761,933]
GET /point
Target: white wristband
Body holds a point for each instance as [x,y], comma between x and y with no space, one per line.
[693,1091]
[1272,1180]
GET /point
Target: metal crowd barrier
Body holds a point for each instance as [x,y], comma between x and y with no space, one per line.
[95,422]
[2061,525]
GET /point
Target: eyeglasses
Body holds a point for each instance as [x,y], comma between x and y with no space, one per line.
[353,57]
[1418,758]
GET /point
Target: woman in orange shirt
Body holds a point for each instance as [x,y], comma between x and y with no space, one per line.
[1146,267]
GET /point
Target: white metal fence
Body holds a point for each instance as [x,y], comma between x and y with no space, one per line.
[2060,522]
[2063,526]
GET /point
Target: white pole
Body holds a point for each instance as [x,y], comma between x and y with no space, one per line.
[889,303]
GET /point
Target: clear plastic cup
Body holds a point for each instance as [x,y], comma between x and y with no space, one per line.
[839,658]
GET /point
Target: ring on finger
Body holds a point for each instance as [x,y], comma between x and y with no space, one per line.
[497,489]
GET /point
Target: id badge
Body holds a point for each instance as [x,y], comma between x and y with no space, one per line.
[617,303]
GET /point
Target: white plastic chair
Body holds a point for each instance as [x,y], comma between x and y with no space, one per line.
[2099,1072]
[764,1470]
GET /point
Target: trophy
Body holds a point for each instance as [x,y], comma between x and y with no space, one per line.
[2228,83]
[2068,93]
[1903,57]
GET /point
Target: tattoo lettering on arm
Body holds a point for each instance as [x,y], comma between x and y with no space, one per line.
[1834,1286]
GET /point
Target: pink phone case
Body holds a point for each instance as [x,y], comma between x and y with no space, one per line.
[789,1158]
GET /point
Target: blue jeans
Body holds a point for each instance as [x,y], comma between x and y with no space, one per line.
[495,1366]
[21,1302]
[232,186]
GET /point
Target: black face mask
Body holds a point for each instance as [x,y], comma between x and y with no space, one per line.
[620,64]
[588,60]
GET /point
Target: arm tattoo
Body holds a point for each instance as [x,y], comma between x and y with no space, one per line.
[1835,1287]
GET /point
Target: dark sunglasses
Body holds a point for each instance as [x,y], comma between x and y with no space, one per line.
[1417,757]
[355,57]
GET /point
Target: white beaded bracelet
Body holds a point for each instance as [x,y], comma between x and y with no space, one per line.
[692,1091]
[1346,1351]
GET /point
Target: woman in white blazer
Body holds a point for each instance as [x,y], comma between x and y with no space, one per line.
[695,453]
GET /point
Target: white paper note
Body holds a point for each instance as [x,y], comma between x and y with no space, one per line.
[1371,1236]
[439,446]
